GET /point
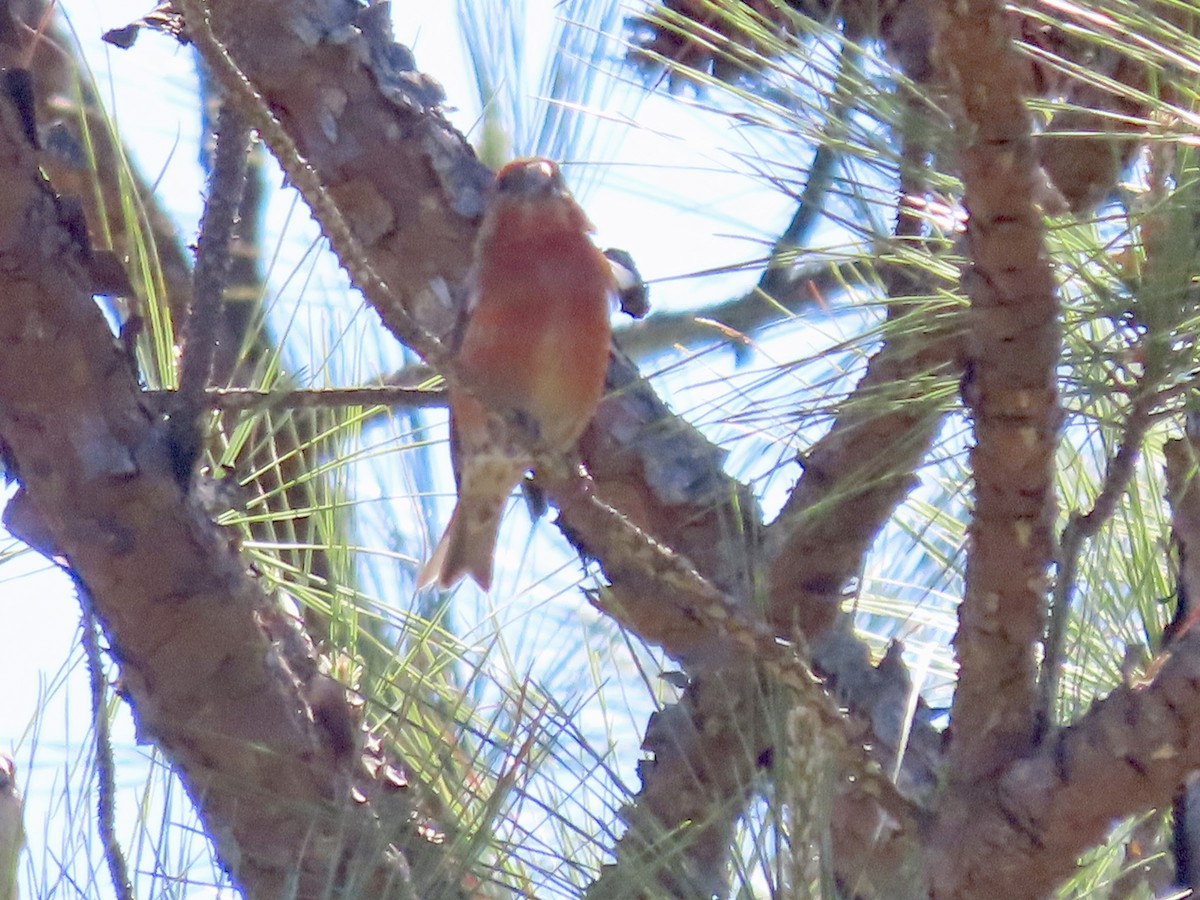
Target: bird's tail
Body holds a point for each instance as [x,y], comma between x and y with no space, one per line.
[468,545]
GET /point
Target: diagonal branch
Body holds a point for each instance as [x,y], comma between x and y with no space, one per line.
[849,487]
[218,676]
[1082,527]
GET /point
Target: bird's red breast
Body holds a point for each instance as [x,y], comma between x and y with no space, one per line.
[536,343]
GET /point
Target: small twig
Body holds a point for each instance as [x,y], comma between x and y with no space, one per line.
[1144,397]
[1083,527]
[776,277]
[106,786]
[241,399]
[227,180]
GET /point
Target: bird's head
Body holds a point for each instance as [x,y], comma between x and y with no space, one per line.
[529,195]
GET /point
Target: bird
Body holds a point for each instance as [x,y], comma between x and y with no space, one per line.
[535,345]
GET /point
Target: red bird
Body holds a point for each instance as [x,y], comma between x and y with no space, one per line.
[536,343]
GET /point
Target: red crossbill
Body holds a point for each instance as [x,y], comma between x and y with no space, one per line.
[536,344]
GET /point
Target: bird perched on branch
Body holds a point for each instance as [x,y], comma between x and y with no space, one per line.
[536,344]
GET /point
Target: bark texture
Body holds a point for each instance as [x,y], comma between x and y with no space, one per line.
[218,676]
[1013,350]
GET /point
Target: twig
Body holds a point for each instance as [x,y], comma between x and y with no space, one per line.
[241,399]
[225,186]
[728,321]
[1083,527]
[776,277]
[106,805]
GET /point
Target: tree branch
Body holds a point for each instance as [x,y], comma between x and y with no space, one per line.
[216,675]
[185,428]
[249,399]
[732,320]
[106,785]
[1139,743]
[1010,388]
[1084,526]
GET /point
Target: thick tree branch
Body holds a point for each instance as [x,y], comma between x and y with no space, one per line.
[1139,744]
[1128,753]
[849,488]
[218,677]
[1010,388]
[399,190]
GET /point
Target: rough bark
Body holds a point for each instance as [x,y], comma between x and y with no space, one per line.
[1028,827]
[218,676]
[361,115]
[1010,388]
